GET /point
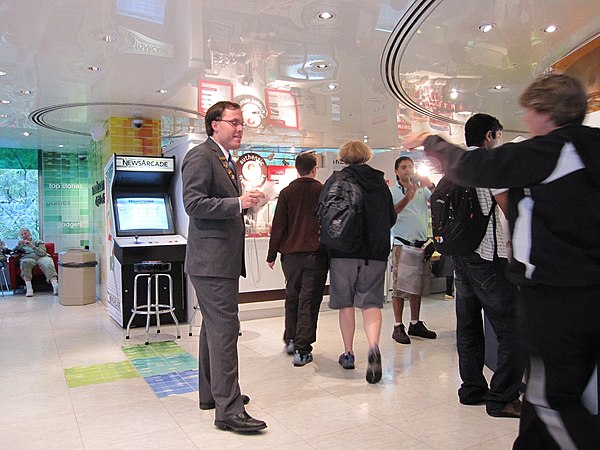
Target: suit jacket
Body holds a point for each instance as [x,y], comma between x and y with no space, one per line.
[216,230]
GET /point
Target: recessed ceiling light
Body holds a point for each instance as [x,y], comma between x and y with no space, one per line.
[550,29]
[161,91]
[60,146]
[107,38]
[486,27]
[326,15]
[332,86]
[2,73]
[499,87]
[453,94]
[5,102]
[320,65]
[26,133]
[94,68]
[4,116]
[25,92]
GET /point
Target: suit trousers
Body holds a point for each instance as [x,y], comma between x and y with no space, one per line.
[305,277]
[218,359]
[482,285]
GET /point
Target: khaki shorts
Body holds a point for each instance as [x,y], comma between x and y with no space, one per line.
[426,276]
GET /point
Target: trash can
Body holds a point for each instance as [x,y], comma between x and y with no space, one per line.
[77,277]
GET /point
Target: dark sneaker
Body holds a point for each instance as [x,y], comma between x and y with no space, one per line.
[301,359]
[374,367]
[512,410]
[419,329]
[289,347]
[399,335]
[346,360]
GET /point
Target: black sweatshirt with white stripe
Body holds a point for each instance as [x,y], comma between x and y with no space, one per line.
[554,200]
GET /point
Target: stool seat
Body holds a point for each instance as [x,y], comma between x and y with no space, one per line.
[152,267]
[152,270]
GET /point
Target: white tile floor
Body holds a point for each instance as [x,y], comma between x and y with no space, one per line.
[316,406]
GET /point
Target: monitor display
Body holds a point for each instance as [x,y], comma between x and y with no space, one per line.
[143,215]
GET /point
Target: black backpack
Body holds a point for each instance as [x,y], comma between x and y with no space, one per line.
[457,222]
[340,212]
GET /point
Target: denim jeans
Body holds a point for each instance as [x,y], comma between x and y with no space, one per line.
[482,285]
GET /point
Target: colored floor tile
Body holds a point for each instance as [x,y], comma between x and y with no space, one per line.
[158,365]
[173,383]
[138,351]
[100,373]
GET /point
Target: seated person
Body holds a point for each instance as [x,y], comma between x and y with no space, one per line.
[33,252]
[3,252]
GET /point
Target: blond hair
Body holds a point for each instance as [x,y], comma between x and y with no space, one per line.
[355,152]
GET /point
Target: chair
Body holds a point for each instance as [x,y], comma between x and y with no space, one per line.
[39,280]
[152,270]
[3,280]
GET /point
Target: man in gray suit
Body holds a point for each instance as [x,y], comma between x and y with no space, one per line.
[213,199]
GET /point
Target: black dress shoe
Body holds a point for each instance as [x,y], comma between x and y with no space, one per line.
[242,423]
[205,406]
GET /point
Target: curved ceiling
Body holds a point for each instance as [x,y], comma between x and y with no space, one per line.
[68,65]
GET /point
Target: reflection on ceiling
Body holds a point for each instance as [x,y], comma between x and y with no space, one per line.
[370,70]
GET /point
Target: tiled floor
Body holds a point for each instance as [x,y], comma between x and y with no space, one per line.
[316,406]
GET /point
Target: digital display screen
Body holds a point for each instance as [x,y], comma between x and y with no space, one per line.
[138,215]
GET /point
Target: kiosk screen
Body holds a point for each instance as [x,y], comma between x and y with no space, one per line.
[143,216]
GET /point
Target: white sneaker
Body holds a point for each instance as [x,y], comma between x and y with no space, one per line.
[55,289]
[29,293]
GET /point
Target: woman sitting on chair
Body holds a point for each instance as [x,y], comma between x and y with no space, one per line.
[34,253]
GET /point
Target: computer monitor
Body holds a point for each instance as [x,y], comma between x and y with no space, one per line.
[141,214]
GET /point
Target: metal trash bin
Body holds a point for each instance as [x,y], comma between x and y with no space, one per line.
[77,277]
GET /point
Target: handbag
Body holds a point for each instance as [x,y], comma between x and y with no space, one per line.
[412,266]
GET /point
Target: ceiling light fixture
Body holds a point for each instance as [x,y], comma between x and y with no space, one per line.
[486,27]
[499,87]
[320,65]
[453,94]
[25,92]
[325,15]
[2,73]
[5,102]
[107,38]
[26,133]
[94,68]
[550,29]
[332,86]
[161,91]
[60,146]
[4,116]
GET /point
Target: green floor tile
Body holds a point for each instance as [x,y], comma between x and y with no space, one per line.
[100,373]
[138,351]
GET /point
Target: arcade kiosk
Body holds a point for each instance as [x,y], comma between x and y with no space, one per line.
[140,227]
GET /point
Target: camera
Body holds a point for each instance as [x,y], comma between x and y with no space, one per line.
[137,123]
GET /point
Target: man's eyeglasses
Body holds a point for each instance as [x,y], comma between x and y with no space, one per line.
[233,123]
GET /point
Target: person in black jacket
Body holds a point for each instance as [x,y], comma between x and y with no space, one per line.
[357,279]
[554,216]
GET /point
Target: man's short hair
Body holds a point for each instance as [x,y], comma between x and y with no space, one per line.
[399,161]
[355,152]
[561,96]
[477,127]
[215,112]
[305,163]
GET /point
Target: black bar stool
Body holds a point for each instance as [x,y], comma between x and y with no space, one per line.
[152,270]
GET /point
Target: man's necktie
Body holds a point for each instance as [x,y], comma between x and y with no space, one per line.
[231,163]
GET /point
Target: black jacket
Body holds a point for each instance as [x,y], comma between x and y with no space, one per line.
[379,213]
[554,200]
